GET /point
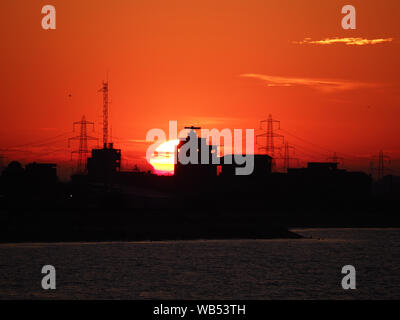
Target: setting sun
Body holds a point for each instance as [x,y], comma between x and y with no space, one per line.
[163,158]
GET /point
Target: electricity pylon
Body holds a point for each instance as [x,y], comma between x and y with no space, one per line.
[83,144]
[336,159]
[381,164]
[270,135]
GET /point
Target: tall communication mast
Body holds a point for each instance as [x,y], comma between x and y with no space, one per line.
[104,89]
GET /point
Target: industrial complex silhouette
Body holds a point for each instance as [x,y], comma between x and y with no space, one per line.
[102,202]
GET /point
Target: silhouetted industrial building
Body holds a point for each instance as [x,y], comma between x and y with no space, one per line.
[324,181]
[262,165]
[104,164]
[226,166]
[195,169]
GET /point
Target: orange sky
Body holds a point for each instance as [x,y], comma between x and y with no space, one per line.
[185,60]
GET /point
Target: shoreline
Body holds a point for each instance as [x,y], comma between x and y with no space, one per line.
[283,235]
[292,233]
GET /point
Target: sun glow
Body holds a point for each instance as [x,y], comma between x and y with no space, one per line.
[163,158]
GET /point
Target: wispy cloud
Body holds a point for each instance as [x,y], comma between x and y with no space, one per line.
[347,41]
[326,85]
[138,141]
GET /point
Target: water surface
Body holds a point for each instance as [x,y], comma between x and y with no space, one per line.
[206,269]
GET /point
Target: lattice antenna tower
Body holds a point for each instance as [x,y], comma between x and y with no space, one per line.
[104,90]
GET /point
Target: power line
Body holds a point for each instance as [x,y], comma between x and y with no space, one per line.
[34,143]
[347,156]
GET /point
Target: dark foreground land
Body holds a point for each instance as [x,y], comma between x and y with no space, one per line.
[164,210]
[49,226]
[91,225]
